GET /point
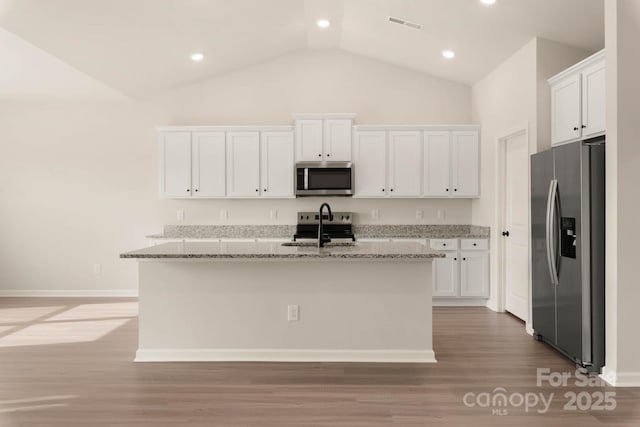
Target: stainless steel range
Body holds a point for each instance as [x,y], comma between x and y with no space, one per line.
[338,227]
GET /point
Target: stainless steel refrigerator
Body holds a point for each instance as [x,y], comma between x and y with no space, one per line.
[568,237]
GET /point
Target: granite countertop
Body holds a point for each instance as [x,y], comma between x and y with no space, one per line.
[252,250]
[362,231]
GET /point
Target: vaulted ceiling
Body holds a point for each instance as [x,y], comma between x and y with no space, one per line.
[142,47]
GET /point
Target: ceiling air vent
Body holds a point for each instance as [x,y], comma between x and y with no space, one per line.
[400,21]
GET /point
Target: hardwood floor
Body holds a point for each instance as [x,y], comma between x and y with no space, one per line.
[68,362]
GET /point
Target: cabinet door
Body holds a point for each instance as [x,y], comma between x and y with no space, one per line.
[276,164]
[208,173]
[593,100]
[437,164]
[370,164]
[337,140]
[446,275]
[474,274]
[309,140]
[466,164]
[405,164]
[565,110]
[243,164]
[175,164]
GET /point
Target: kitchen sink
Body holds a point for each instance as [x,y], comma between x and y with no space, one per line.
[313,244]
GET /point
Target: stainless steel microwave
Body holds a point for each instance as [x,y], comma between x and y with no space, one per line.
[324,179]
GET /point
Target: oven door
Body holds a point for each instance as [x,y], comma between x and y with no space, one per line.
[324,179]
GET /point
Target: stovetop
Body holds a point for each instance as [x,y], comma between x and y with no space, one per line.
[340,227]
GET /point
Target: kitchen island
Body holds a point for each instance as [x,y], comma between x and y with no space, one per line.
[213,301]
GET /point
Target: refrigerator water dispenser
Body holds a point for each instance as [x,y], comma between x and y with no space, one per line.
[568,237]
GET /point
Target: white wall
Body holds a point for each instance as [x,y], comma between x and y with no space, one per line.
[78,181]
[512,96]
[622,32]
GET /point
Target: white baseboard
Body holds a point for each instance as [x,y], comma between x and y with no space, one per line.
[69,293]
[284,355]
[620,379]
[459,302]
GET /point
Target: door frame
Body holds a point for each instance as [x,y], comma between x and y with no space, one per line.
[503,137]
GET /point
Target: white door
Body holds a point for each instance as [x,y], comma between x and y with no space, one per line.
[405,164]
[243,164]
[593,100]
[309,140]
[175,164]
[474,274]
[437,160]
[276,167]
[370,164]
[565,110]
[208,164]
[337,140]
[465,154]
[446,275]
[516,212]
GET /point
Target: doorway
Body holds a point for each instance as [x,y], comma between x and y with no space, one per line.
[515,222]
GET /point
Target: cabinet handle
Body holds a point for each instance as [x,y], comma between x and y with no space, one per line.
[455,259]
[256,189]
[475,244]
[391,189]
[455,189]
[584,126]
[319,155]
[383,190]
[328,155]
[265,190]
[575,128]
[196,190]
[188,190]
[447,190]
[464,259]
[444,244]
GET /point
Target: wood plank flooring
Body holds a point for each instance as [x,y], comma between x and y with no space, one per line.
[68,362]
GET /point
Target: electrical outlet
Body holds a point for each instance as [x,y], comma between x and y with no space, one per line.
[418,214]
[224,214]
[293,313]
[97,269]
[273,214]
[180,215]
[375,214]
[442,214]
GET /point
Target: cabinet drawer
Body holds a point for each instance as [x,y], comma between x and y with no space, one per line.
[444,244]
[474,244]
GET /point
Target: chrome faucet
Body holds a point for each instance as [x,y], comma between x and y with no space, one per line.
[323,238]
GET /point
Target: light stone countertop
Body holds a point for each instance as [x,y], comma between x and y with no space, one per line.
[274,250]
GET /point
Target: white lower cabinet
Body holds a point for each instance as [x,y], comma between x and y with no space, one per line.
[462,275]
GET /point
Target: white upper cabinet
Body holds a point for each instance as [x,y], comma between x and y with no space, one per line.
[243,164]
[276,164]
[405,163]
[309,137]
[323,137]
[593,100]
[175,164]
[208,164]
[565,108]
[337,140]
[578,101]
[465,155]
[437,164]
[370,163]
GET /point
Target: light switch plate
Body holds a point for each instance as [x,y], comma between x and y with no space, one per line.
[418,214]
[442,214]
[273,214]
[224,214]
[293,313]
[180,214]
[375,214]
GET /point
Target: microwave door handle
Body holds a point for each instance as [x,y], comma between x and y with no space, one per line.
[306,178]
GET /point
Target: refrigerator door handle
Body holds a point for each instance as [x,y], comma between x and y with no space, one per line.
[553,211]
[547,223]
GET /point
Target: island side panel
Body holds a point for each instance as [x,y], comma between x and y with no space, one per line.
[350,310]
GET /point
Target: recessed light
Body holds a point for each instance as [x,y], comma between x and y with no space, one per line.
[323,23]
[488,2]
[197,56]
[448,54]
